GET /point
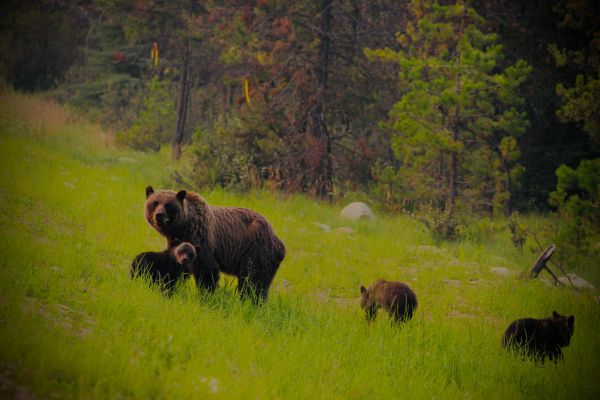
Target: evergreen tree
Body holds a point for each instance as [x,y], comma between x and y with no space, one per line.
[580,101]
[457,122]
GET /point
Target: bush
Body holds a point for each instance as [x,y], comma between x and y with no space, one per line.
[577,198]
[155,124]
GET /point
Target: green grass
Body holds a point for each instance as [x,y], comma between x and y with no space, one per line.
[73,325]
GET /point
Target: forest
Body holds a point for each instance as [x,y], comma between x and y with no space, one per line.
[468,107]
[471,128]
[441,110]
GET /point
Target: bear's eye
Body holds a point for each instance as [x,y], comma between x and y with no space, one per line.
[155,204]
[168,207]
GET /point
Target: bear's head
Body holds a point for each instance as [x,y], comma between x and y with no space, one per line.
[368,303]
[185,253]
[164,209]
[563,328]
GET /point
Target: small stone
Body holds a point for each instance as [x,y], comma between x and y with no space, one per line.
[345,229]
[324,227]
[501,271]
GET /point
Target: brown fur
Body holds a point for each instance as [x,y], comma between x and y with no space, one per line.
[233,240]
[165,267]
[540,338]
[395,297]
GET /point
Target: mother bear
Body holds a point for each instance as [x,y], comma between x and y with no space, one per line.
[233,240]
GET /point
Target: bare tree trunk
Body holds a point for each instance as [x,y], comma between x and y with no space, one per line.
[453,178]
[322,175]
[183,101]
[455,127]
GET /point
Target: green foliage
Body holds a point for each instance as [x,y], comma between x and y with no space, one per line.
[155,124]
[218,160]
[581,104]
[441,223]
[577,198]
[518,231]
[238,152]
[457,122]
[580,101]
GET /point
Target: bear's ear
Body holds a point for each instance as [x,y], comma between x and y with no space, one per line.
[181,195]
[555,314]
[363,290]
[149,191]
[571,321]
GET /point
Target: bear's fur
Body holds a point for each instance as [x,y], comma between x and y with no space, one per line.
[396,298]
[165,267]
[233,240]
[540,338]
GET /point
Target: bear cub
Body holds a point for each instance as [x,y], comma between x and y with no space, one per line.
[165,267]
[540,338]
[396,298]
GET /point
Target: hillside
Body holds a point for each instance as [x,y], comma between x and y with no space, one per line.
[73,325]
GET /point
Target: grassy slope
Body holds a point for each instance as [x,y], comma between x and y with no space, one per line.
[74,325]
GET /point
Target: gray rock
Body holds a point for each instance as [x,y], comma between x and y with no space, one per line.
[357,210]
[326,228]
[577,281]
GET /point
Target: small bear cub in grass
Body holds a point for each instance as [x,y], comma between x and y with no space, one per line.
[395,297]
[540,338]
[165,267]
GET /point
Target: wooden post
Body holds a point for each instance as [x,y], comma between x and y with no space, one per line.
[541,262]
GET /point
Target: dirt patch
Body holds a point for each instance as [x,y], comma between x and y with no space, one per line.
[9,389]
[68,318]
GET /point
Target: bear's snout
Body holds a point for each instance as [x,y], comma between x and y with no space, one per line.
[161,218]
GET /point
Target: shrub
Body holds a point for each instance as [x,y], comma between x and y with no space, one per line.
[577,199]
[155,124]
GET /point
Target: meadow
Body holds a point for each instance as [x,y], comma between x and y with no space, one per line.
[74,325]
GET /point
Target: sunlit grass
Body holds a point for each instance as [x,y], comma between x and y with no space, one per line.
[73,325]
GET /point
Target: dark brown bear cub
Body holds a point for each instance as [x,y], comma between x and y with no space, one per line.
[165,267]
[540,338]
[395,297]
[233,240]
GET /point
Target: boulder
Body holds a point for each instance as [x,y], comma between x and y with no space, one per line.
[357,210]
[577,281]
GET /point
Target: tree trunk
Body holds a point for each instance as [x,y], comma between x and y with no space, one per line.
[183,101]
[455,127]
[453,179]
[321,176]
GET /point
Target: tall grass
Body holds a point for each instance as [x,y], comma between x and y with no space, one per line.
[73,325]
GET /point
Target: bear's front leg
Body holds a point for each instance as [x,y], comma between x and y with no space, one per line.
[205,270]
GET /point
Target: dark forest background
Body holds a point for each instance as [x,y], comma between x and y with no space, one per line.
[443,110]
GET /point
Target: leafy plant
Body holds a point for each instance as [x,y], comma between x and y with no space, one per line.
[577,199]
[155,124]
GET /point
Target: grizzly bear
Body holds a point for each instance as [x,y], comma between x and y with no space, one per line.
[233,240]
[165,267]
[540,338]
[395,297]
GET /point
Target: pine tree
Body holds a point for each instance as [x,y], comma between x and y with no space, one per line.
[457,122]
